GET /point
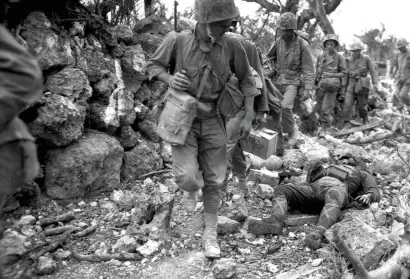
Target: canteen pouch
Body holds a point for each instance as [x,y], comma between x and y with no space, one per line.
[177,117]
[231,99]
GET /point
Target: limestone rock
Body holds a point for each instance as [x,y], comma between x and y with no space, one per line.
[273,163]
[148,129]
[26,220]
[123,33]
[264,177]
[148,42]
[50,49]
[227,226]
[62,255]
[71,83]
[125,244]
[45,265]
[133,66]
[318,153]
[224,269]
[91,163]
[95,64]
[127,137]
[12,245]
[151,92]
[264,191]
[104,87]
[149,248]
[149,24]
[77,29]
[293,158]
[138,161]
[59,121]
[124,199]
[258,227]
[237,210]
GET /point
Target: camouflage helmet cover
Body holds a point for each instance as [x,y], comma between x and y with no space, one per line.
[207,11]
[356,46]
[287,21]
[330,37]
[401,43]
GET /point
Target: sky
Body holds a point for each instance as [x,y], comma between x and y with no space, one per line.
[351,17]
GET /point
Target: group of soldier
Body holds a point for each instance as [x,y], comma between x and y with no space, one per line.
[212,144]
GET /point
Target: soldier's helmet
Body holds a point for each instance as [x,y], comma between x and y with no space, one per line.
[401,43]
[330,37]
[356,46]
[207,11]
[287,21]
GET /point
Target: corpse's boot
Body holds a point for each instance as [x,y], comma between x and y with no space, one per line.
[314,239]
[209,238]
[275,222]
[190,199]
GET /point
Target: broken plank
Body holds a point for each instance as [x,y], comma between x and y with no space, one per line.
[298,219]
[360,128]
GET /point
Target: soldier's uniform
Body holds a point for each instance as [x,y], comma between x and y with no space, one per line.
[328,88]
[400,69]
[20,86]
[294,70]
[358,84]
[329,190]
[200,163]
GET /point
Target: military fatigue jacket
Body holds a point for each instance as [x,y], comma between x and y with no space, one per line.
[401,62]
[228,53]
[20,86]
[261,101]
[330,64]
[361,67]
[293,62]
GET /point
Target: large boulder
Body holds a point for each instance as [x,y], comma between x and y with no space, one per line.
[50,49]
[133,66]
[138,161]
[104,87]
[123,33]
[59,121]
[151,92]
[128,137]
[293,158]
[95,64]
[93,162]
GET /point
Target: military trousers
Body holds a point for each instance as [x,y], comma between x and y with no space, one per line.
[361,100]
[401,94]
[200,163]
[327,195]
[18,165]
[289,93]
[325,105]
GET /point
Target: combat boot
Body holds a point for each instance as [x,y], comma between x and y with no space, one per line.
[209,237]
[190,199]
[279,210]
[314,239]
[243,187]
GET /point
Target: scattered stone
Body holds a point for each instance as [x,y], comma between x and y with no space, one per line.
[257,226]
[237,210]
[82,204]
[224,269]
[26,220]
[273,163]
[149,248]
[45,265]
[114,262]
[293,158]
[12,245]
[93,204]
[317,262]
[264,191]
[125,244]
[61,254]
[264,177]
[227,226]
[298,219]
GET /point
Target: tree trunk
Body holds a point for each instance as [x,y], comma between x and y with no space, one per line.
[148,7]
[321,16]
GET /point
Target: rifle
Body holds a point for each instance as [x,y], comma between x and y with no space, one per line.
[175,16]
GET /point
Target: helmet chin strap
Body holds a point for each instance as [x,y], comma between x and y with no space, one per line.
[208,30]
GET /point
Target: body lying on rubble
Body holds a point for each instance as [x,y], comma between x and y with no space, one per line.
[328,190]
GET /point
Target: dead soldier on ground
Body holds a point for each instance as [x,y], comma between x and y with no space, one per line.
[199,160]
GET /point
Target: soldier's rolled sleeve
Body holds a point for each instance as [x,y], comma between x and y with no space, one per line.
[308,68]
[160,60]
[370,187]
[21,79]
[371,69]
[243,71]
[342,66]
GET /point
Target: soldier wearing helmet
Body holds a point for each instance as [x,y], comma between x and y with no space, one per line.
[294,72]
[358,84]
[200,163]
[400,71]
[330,70]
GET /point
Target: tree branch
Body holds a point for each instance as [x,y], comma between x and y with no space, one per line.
[270,7]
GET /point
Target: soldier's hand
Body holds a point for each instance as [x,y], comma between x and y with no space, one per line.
[179,81]
[260,121]
[305,95]
[364,199]
[245,128]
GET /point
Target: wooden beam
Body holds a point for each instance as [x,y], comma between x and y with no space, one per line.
[360,128]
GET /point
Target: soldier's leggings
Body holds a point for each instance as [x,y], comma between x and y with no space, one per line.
[201,162]
[327,196]
[352,97]
[401,94]
[289,93]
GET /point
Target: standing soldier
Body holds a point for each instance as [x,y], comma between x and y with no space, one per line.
[330,69]
[294,72]
[358,85]
[200,163]
[20,86]
[400,71]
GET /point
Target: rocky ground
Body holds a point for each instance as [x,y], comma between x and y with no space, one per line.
[146,221]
